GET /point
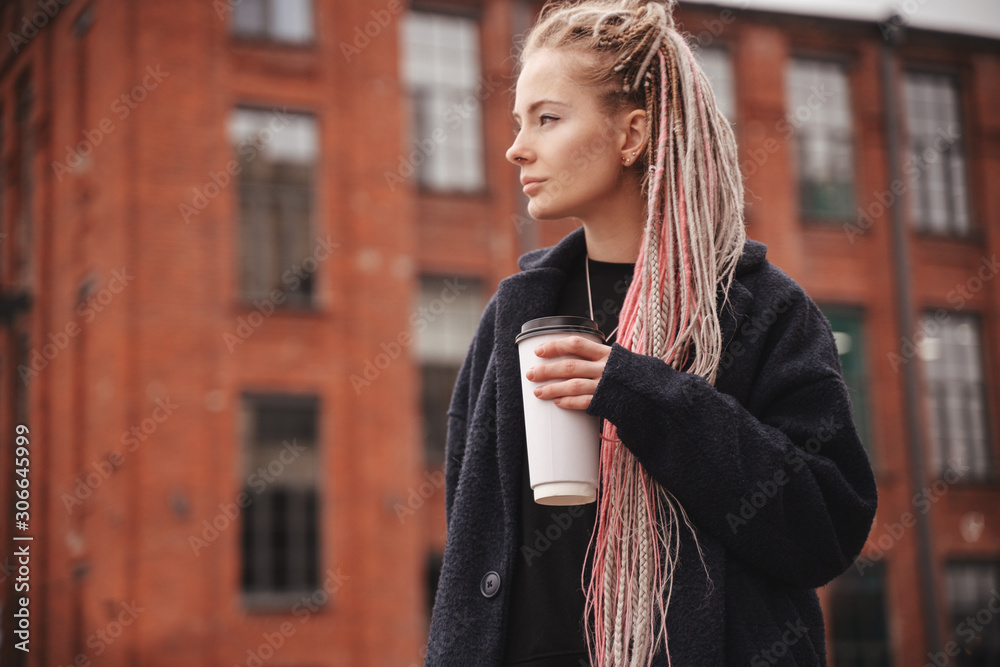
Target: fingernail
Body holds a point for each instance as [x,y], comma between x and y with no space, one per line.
[540,349]
[530,374]
[538,392]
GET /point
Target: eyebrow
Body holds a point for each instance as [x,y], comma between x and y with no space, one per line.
[535,105]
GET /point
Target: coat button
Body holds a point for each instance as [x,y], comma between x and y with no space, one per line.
[490,584]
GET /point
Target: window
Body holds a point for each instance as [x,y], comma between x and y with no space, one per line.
[277,154]
[718,67]
[858,620]
[441,70]
[973,607]
[280,529]
[819,111]
[955,394]
[446,321]
[279,20]
[938,191]
[847,332]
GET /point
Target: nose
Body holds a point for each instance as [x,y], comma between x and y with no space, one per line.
[518,153]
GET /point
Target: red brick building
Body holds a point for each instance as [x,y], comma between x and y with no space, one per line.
[244,243]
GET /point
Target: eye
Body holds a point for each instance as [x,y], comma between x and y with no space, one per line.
[542,119]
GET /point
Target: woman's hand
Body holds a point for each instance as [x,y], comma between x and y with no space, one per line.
[580,375]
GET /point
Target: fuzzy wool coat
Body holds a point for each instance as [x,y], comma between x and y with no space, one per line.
[767,464]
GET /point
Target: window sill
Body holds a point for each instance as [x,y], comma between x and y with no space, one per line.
[281,603]
[266,42]
[832,221]
[481,193]
[249,305]
[989,481]
[974,237]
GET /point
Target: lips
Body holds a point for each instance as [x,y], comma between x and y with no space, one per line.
[530,185]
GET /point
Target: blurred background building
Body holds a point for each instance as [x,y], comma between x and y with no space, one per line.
[245,243]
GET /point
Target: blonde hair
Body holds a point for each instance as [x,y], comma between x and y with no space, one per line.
[635,58]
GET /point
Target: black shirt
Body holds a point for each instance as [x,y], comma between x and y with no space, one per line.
[545,619]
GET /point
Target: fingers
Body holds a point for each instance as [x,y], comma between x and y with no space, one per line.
[579,374]
[566,368]
[578,345]
[574,387]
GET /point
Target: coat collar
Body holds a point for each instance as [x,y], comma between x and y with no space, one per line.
[534,292]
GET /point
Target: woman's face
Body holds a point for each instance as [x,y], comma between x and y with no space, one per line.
[569,150]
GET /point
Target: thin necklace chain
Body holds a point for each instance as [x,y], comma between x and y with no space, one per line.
[590,298]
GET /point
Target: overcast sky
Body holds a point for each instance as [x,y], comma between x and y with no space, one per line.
[974,17]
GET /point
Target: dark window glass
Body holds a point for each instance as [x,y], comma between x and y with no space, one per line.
[973,601]
[858,619]
[849,336]
[280,527]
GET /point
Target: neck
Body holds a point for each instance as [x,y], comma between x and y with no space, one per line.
[614,231]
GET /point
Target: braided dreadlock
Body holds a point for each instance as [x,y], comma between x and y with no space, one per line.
[631,53]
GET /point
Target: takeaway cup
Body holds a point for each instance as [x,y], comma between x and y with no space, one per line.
[563,444]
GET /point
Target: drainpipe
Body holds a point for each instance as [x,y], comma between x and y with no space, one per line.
[894,34]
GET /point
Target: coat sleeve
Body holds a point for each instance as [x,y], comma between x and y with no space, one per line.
[782,481]
[463,403]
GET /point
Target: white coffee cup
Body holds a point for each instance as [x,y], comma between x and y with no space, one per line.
[563,444]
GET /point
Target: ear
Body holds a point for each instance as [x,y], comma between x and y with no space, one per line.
[635,135]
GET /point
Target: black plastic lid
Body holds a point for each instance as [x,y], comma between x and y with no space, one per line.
[568,324]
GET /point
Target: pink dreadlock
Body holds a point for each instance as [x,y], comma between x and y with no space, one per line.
[693,237]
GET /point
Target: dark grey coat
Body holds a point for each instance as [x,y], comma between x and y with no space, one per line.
[767,463]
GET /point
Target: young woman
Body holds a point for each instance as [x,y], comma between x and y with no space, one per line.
[733,482]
